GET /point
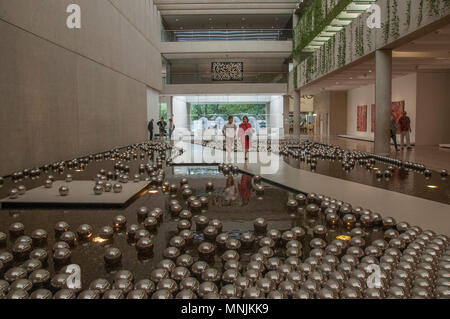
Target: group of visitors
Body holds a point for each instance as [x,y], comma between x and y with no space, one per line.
[162,128]
[402,126]
[245,133]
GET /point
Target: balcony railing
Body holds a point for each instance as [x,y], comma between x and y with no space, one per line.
[226,35]
[206,78]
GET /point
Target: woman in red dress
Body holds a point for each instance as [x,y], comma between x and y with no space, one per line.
[245,131]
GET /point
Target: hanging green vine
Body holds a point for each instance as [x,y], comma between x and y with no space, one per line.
[342,49]
[295,76]
[386,26]
[359,37]
[433,7]
[395,23]
[369,39]
[314,20]
[408,15]
[420,15]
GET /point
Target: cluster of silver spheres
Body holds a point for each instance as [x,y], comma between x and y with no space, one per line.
[105,181]
[339,252]
[311,152]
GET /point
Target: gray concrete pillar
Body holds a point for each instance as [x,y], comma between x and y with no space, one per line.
[383,101]
[296,113]
[286,114]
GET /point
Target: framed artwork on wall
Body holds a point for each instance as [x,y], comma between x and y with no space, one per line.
[361,118]
[397,110]
[227,71]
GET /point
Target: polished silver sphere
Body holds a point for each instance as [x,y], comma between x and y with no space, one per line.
[69,237]
[16,229]
[40,277]
[24,284]
[145,284]
[117,188]
[230,291]
[100,285]
[186,294]
[62,255]
[84,231]
[17,294]
[89,295]
[206,288]
[65,294]
[144,245]
[14,274]
[112,256]
[98,189]
[253,293]
[63,191]
[41,294]
[137,294]
[113,294]
[39,254]
[31,265]
[21,189]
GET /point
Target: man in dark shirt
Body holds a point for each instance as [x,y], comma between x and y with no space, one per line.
[162,128]
[150,129]
[405,128]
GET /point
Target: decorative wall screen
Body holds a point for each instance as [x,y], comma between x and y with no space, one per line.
[227,71]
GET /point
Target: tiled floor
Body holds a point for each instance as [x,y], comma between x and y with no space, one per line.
[417,211]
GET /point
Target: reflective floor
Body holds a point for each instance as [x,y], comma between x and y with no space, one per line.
[403,181]
[294,253]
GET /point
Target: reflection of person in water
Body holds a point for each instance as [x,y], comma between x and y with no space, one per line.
[230,191]
[245,189]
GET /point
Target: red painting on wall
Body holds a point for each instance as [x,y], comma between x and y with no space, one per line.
[361,119]
[397,110]
[372,118]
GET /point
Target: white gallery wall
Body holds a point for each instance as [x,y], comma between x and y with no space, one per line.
[403,89]
[152,105]
[276,113]
[433,108]
[180,112]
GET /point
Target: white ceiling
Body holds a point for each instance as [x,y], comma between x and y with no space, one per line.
[430,52]
[235,21]
[215,7]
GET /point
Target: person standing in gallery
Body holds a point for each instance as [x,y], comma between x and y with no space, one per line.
[162,128]
[229,131]
[394,131]
[245,132]
[150,129]
[405,129]
[171,128]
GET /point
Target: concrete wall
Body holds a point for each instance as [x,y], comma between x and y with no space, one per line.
[331,113]
[256,70]
[433,108]
[67,93]
[403,89]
